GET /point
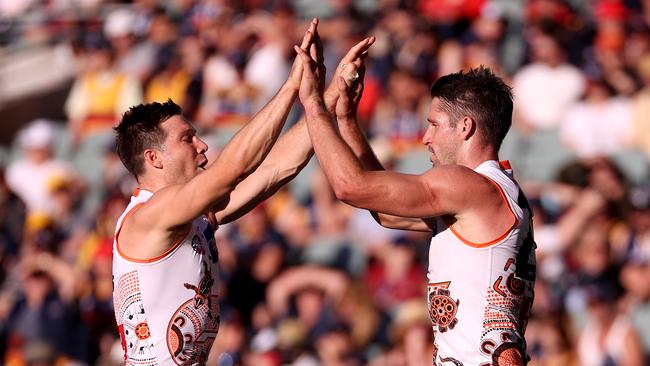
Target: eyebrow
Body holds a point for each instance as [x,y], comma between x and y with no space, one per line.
[188,129]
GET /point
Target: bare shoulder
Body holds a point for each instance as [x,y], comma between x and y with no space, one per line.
[138,238]
[461,189]
[458,179]
[477,204]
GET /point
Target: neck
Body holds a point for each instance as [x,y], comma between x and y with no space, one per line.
[150,184]
[473,155]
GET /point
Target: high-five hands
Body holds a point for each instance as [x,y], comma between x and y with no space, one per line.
[311,93]
[358,52]
[347,78]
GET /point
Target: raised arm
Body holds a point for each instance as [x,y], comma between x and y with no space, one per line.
[167,213]
[443,190]
[346,115]
[289,155]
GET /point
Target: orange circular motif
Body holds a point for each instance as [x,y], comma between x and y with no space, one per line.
[443,310]
[174,341]
[142,331]
[509,356]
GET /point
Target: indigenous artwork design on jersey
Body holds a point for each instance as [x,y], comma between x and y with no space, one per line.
[194,326]
[505,313]
[442,308]
[132,321]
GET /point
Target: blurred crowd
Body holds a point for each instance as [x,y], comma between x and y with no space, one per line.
[307,280]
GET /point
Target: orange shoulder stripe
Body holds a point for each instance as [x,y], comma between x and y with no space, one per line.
[502,236]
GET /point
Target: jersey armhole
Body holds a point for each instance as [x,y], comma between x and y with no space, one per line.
[149,260]
[500,237]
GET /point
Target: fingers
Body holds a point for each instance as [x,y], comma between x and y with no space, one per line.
[350,71]
[313,51]
[358,49]
[309,34]
[357,63]
[306,59]
[358,92]
[316,48]
[319,48]
[345,89]
[342,86]
[344,110]
[343,102]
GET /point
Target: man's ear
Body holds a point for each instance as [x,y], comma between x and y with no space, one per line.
[152,158]
[468,127]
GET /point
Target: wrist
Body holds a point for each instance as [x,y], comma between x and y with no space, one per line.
[290,87]
[346,120]
[330,99]
[315,107]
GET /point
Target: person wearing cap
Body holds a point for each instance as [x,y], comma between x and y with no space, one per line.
[30,176]
[136,59]
[482,255]
[165,260]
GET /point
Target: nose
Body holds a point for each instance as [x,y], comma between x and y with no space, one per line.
[201,146]
[426,139]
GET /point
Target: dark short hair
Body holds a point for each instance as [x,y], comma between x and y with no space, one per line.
[139,130]
[481,95]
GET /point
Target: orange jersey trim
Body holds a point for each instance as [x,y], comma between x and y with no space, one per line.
[505,165]
[150,260]
[444,284]
[502,236]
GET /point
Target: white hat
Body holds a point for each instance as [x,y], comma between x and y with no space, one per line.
[38,134]
[119,23]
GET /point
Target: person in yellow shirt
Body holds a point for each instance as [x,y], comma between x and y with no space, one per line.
[99,94]
[169,79]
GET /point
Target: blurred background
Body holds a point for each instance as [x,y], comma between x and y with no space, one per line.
[308,280]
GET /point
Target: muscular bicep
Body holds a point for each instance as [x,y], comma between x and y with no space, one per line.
[179,204]
[439,191]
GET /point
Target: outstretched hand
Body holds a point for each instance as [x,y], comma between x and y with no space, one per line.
[311,91]
[350,89]
[357,52]
[295,74]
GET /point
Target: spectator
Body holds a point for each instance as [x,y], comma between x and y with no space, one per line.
[100,94]
[591,221]
[598,125]
[29,176]
[545,88]
[608,337]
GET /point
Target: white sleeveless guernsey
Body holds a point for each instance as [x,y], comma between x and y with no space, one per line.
[480,294]
[167,308]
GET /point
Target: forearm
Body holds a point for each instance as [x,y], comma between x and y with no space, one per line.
[333,283]
[290,154]
[335,157]
[287,158]
[355,138]
[252,143]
